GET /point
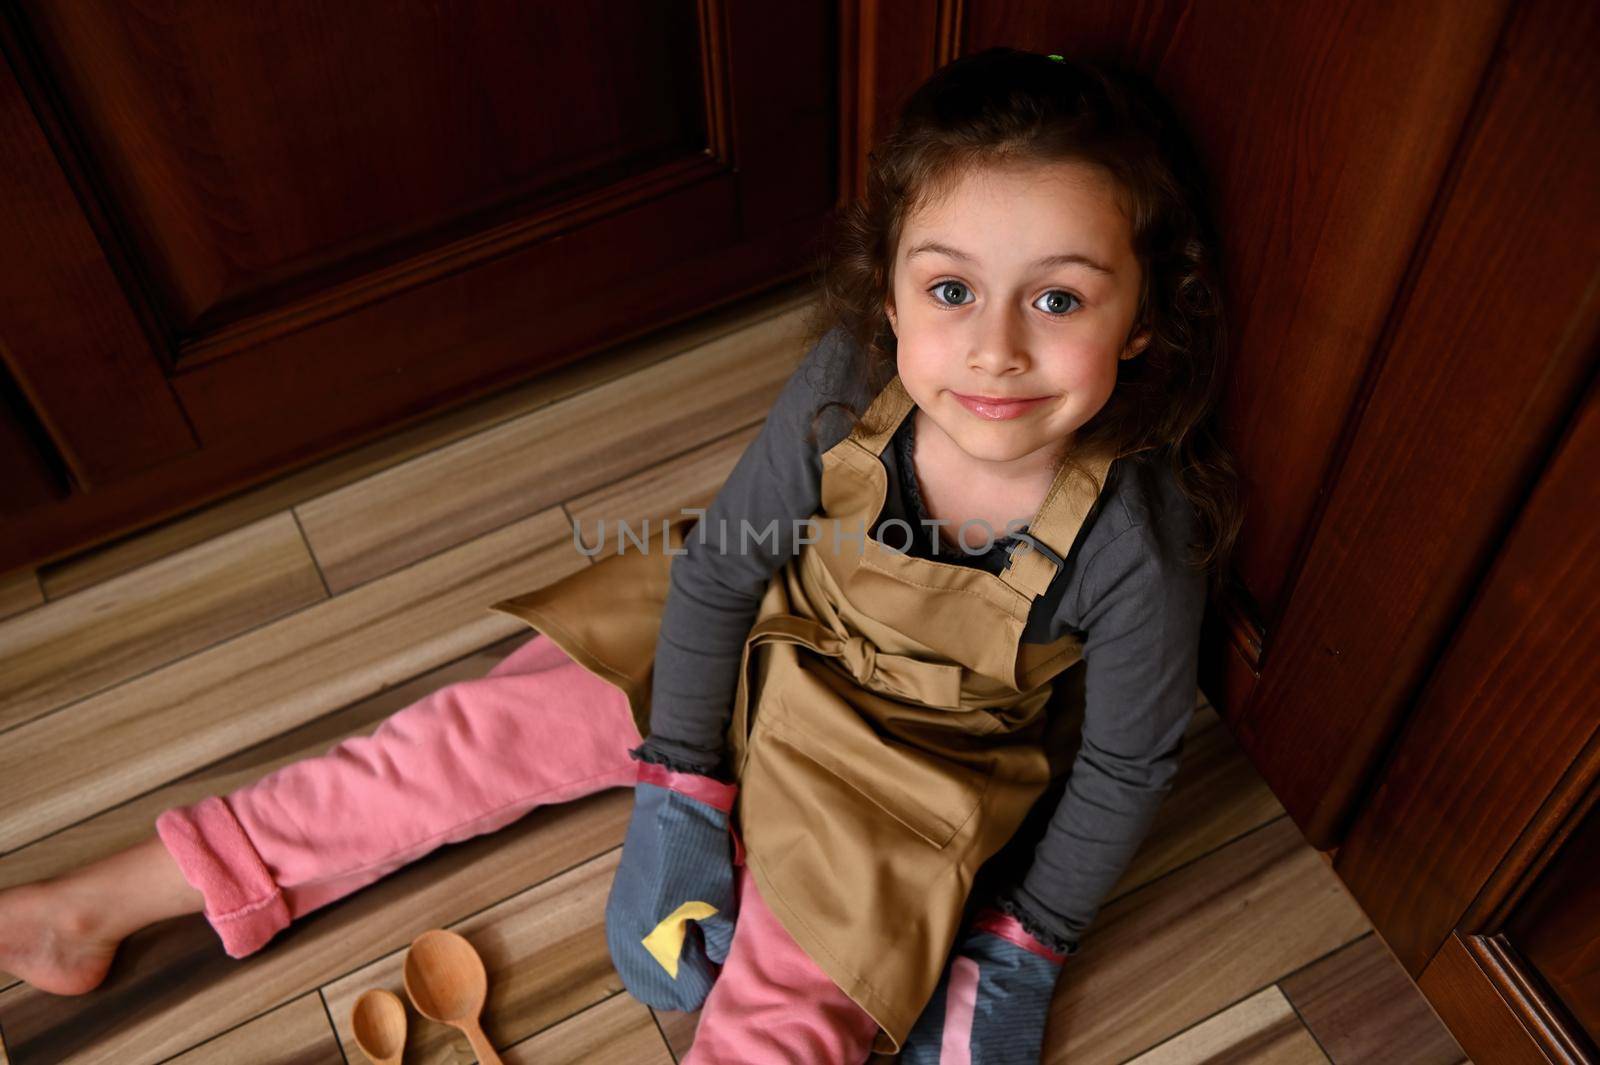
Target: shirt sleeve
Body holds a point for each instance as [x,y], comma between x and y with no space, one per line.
[748,532]
[1141,654]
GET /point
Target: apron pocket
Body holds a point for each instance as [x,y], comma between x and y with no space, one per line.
[929,795]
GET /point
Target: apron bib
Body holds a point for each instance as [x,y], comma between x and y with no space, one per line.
[889,730]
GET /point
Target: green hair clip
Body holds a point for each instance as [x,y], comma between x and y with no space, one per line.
[1057,58]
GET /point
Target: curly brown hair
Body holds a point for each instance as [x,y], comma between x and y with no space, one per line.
[1004,105]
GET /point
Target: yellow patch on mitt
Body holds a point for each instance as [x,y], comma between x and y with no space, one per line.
[665,942]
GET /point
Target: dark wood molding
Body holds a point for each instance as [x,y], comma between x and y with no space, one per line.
[719,105]
[896,47]
[478,248]
[1479,991]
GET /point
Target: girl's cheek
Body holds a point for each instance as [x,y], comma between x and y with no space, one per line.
[1084,368]
[917,362]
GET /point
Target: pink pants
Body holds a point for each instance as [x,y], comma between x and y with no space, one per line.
[471,758]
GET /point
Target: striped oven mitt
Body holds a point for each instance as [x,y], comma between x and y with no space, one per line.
[670,914]
[992,1001]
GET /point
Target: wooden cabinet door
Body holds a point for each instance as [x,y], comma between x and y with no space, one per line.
[1487,345]
[1478,856]
[236,235]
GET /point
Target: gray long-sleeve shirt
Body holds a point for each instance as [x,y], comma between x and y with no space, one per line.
[1124,590]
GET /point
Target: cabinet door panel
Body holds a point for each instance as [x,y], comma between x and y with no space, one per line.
[251,151]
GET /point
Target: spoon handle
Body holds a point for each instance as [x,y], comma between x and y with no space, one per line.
[480,1044]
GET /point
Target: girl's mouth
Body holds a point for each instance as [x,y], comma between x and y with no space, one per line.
[998,409]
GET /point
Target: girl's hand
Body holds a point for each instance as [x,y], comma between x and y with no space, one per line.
[992,1000]
[670,915]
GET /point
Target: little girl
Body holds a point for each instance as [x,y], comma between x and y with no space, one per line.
[996,463]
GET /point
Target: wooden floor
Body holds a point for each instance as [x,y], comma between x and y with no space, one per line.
[191,659]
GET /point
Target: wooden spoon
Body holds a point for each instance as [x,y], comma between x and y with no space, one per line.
[447,983]
[378,1020]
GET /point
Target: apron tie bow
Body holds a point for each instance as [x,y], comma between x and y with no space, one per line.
[862,658]
[934,684]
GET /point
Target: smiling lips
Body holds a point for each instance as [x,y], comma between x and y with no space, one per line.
[998,409]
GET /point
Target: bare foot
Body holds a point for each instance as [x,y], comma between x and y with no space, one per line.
[51,941]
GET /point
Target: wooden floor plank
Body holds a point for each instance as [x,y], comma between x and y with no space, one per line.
[172,987]
[73,647]
[678,1027]
[297,1033]
[659,492]
[1261,1030]
[106,561]
[1195,941]
[1362,1007]
[19,591]
[618,1031]
[142,734]
[546,955]
[392,518]
[1217,796]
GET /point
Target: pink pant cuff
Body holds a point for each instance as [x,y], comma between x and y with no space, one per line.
[242,902]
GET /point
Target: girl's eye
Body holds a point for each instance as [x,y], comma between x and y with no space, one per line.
[1057,302]
[944,287]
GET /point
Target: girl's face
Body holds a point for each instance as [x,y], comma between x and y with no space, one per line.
[1020,284]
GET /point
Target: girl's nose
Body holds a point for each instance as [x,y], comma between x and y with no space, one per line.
[999,346]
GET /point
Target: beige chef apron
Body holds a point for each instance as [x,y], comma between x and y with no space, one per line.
[889,726]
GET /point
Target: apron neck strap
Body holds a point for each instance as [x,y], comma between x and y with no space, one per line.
[883,416]
[1040,552]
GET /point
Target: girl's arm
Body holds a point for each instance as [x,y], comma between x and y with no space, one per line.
[748,532]
[1141,654]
